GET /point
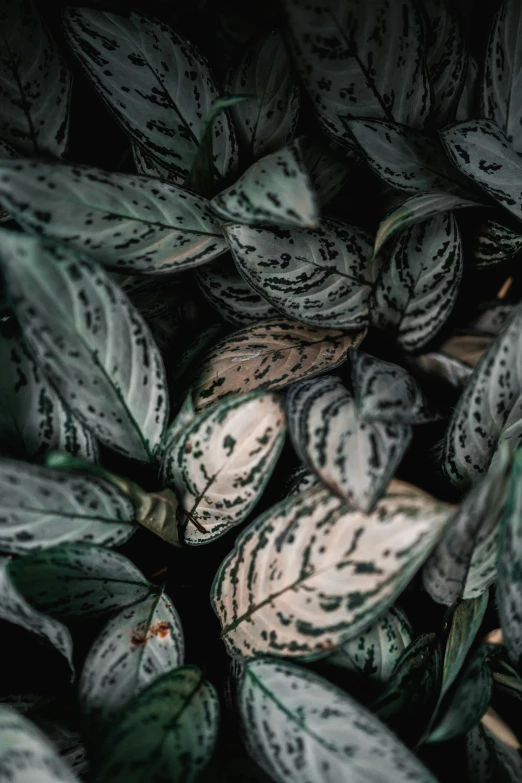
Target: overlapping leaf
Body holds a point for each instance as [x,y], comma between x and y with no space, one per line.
[494,243]
[509,565]
[329,166]
[490,759]
[446,58]
[465,623]
[300,480]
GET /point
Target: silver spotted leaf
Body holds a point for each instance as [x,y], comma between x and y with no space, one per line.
[275,191]
[234,299]
[509,564]
[375,651]
[311,573]
[489,759]
[299,727]
[355,458]
[92,344]
[6,152]
[419,282]
[98,581]
[502,80]
[42,507]
[267,356]
[14,608]
[446,58]
[386,392]
[167,733]
[267,121]
[219,464]
[155,83]
[318,277]
[493,243]
[65,736]
[35,83]
[361,59]
[146,164]
[26,754]
[299,480]
[33,418]
[139,644]
[488,409]
[465,623]
[126,222]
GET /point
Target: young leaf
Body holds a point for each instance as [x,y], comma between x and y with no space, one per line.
[494,243]
[446,58]
[509,564]
[489,759]
[91,343]
[465,623]
[418,285]
[361,60]
[502,81]
[267,122]
[26,754]
[167,733]
[274,191]
[138,645]
[128,223]
[353,457]
[311,573]
[268,355]
[78,581]
[219,465]
[318,277]
[35,83]
[42,507]
[155,83]
[292,717]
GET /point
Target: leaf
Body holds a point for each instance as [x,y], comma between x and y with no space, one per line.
[67,741]
[491,317]
[266,123]
[465,623]
[274,191]
[329,166]
[488,409]
[128,223]
[15,609]
[418,285]
[406,159]
[98,581]
[167,733]
[268,355]
[509,563]
[318,277]
[502,79]
[356,459]
[463,564]
[360,61]
[300,480]
[234,299]
[446,59]
[467,348]
[35,83]
[219,465]
[33,418]
[438,365]
[146,164]
[154,82]
[310,573]
[41,507]
[289,714]
[374,652]
[6,152]
[494,243]
[386,392]
[138,645]
[26,754]
[91,343]
[490,760]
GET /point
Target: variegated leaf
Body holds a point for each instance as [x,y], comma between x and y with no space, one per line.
[65,737]
[361,59]
[98,581]
[153,300]
[418,285]
[311,573]
[33,418]
[465,623]
[167,733]
[407,159]
[491,760]
[387,392]
[91,343]
[266,122]
[446,58]
[138,645]
[268,355]
[300,727]
[35,83]
[234,299]
[509,564]
[375,651]
[502,81]
[274,191]
[6,152]
[26,754]
[220,463]
[146,164]
[494,243]
[353,457]
[300,480]
[128,223]
[329,166]
[489,408]
[318,277]
[42,507]
[155,83]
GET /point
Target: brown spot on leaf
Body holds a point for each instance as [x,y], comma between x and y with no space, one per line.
[161,629]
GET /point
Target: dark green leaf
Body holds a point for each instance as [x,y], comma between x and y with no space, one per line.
[329,166]
[509,565]
[490,760]
[465,623]
[494,243]
[446,58]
